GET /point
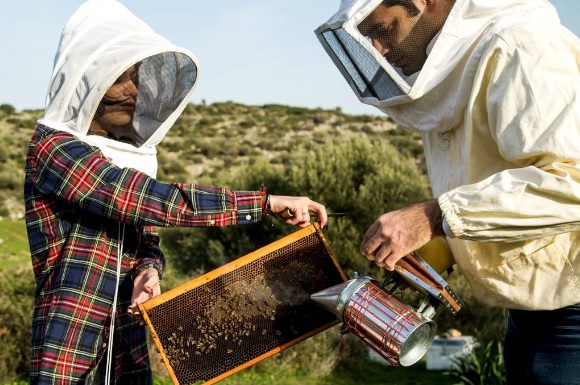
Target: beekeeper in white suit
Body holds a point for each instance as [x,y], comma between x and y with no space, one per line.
[494,88]
[92,200]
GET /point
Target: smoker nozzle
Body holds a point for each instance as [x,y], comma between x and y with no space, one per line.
[335,298]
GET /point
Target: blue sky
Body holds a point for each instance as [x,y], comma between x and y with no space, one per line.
[251,51]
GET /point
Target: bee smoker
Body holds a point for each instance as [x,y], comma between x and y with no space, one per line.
[396,331]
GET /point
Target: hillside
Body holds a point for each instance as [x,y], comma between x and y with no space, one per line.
[210,142]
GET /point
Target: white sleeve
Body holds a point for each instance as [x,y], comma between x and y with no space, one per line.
[533,109]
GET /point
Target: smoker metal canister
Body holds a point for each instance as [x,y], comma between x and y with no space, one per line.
[395,331]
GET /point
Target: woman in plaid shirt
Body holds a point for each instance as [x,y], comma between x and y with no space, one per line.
[92,200]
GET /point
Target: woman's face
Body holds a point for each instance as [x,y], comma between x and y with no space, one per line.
[115,112]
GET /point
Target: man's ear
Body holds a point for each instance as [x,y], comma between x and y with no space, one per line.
[431,4]
[421,4]
[438,8]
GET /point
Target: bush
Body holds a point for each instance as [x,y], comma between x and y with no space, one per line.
[482,367]
[4,155]
[361,177]
[10,180]
[7,109]
[358,176]
[16,304]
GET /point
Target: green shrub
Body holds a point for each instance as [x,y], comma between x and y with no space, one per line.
[172,169]
[16,304]
[484,366]
[361,177]
[7,109]
[367,129]
[4,155]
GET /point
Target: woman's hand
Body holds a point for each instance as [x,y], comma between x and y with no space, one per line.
[145,286]
[300,208]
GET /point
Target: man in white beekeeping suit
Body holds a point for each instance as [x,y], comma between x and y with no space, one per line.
[494,88]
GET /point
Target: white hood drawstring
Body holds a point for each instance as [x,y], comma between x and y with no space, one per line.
[110,343]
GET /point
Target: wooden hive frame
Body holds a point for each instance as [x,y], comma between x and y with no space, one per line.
[292,262]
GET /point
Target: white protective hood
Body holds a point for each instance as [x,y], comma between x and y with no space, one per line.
[99,42]
[435,99]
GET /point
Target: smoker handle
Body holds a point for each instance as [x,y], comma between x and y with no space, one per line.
[410,265]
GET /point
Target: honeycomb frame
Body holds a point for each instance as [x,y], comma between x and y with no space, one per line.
[245,311]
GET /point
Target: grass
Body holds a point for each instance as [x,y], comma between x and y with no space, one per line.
[370,373]
[14,250]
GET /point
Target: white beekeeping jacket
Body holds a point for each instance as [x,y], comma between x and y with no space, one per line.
[100,41]
[497,102]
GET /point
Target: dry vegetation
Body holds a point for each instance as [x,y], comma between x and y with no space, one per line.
[217,142]
[210,140]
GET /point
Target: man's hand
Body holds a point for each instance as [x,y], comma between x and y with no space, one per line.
[400,232]
[145,286]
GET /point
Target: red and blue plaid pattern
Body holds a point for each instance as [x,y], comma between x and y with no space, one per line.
[79,207]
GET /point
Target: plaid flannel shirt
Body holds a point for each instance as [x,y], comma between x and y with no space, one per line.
[79,207]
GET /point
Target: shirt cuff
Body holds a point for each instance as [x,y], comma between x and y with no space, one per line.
[249,206]
[447,229]
[452,225]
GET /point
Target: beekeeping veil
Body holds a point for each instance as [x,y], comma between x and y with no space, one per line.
[100,41]
[431,97]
